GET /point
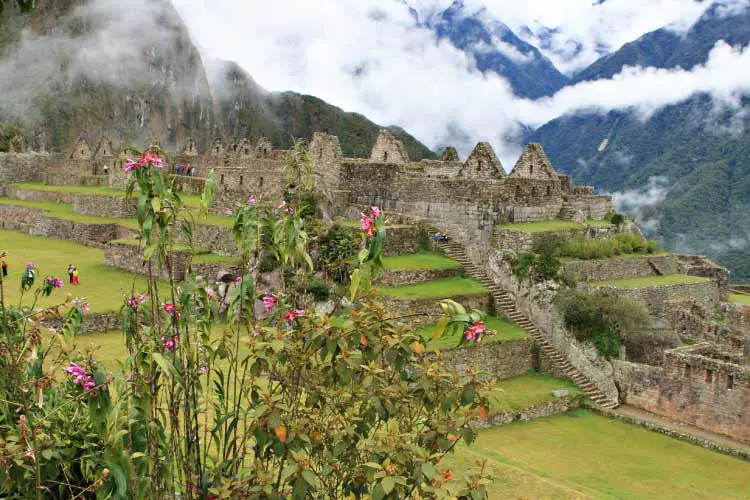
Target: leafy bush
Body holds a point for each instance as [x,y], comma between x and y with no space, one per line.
[614,218]
[318,289]
[601,318]
[336,250]
[585,248]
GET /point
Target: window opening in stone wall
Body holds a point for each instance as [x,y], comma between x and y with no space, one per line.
[385,156]
[730,382]
[533,192]
[709,376]
[82,152]
[247,151]
[687,371]
[549,190]
[518,191]
[531,169]
[217,149]
[260,183]
[222,179]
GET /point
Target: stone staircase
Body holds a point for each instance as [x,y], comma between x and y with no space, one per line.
[505,305]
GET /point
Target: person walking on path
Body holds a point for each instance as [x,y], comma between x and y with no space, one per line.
[74,281]
[27,280]
[5,268]
[70,273]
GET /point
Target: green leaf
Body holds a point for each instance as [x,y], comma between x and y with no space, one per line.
[388,484]
[288,471]
[164,363]
[310,478]
[468,434]
[354,286]
[440,327]
[428,470]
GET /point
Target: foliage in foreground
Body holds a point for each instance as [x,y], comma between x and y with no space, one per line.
[281,404]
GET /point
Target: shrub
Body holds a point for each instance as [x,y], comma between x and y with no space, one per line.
[585,248]
[318,289]
[614,218]
[601,318]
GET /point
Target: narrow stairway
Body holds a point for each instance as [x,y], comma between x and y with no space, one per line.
[505,305]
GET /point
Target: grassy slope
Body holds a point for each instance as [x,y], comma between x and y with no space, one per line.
[102,286]
[524,391]
[540,226]
[451,287]
[506,330]
[670,279]
[189,199]
[582,455]
[420,260]
[739,298]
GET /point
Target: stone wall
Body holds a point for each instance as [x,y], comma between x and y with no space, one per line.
[428,311]
[648,347]
[129,257]
[210,270]
[494,360]
[699,265]
[395,277]
[535,300]
[92,323]
[738,317]
[615,269]
[218,239]
[655,298]
[564,404]
[36,222]
[37,195]
[696,385]
[104,206]
[524,241]
[23,167]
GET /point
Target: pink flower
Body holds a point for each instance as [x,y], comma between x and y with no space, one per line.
[81,304]
[80,377]
[169,343]
[293,314]
[88,384]
[251,200]
[289,210]
[150,157]
[281,205]
[374,212]
[203,369]
[130,166]
[367,225]
[171,310]
[29,264]
[55,282]
[210,292]
[475,331]
[269,301]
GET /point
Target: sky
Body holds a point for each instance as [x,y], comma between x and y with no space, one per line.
[367,56]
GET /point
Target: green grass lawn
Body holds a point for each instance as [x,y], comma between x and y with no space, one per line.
[65,211]
[541,226]
[505,328]
[177,247]
[189,199]
[437,289]
[583,455]
[103,286]
[205,258]
[525,391]
[739,298]
[598,223]
[420,260]
[645,281]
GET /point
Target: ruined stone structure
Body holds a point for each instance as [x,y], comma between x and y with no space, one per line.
[699,385]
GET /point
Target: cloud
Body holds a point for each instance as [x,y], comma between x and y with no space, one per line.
[115,43]
[641,203]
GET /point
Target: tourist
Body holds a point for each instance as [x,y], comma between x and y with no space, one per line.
[74,280]
[106,170]
[193,171]
[5,268]
[444,237]
[27,280]
[70,273]
[437,237]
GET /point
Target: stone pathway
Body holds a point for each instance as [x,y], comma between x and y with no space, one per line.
[640,414]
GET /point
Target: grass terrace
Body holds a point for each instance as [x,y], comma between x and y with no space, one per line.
[189,199]
[65,211]
[598,223]
[740,298]
[581,455]
[525,391]
[647,281]
[103,286]
[177,247]
[542,226]
[505,328]
[420,260]
[437,289]
[210,258]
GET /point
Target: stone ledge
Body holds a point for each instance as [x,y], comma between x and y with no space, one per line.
[430,308]
[104,205]
[620,268]
[129,257]
[560,405]
[688,438]
[499,360]
[656,297]
[398,277]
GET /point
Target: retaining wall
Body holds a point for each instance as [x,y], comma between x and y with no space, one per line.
[130,258]
[615,269]
[104,205]
[394,277]
[430,308]
[494,360]
[655,298]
